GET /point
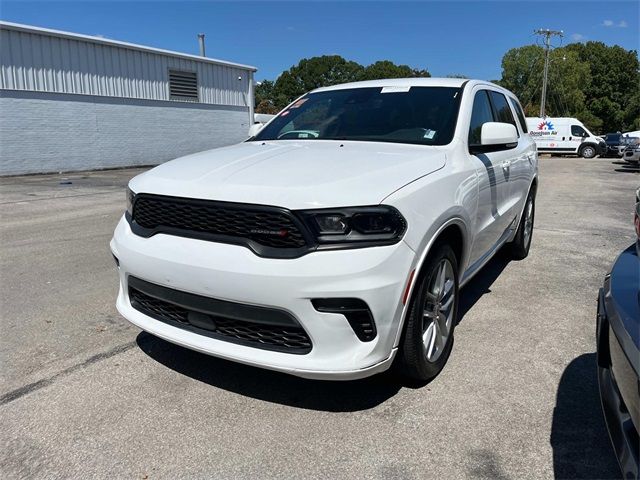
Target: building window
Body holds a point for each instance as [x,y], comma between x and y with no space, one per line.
[183,86]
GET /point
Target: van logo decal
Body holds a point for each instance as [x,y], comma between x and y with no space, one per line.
[544,128]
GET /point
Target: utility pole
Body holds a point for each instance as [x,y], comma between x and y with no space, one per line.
[547,34]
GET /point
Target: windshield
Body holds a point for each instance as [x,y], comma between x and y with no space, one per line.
[419,115]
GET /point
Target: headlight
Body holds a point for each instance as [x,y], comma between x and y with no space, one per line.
[378,225]
[130,198]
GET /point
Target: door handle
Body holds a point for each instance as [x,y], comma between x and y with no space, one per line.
[506,164]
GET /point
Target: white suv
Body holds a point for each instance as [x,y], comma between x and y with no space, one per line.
[337,238]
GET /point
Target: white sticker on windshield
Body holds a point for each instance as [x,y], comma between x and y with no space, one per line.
[429,134]
[395,89]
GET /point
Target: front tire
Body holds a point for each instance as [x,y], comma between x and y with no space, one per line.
[519,248]
[428,335]
[588,151]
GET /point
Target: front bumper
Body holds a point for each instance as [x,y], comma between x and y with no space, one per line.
[631,156]
[602,148]
[233,273]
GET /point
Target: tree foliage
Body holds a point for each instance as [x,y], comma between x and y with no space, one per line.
[388,69]
[264,97]
[593,82]
[315,72]
[596,83]
[614,92]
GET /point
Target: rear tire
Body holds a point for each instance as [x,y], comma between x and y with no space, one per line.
[519,248]
[428,334]
[588,151]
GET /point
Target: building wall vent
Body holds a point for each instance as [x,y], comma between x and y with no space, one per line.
[183,86]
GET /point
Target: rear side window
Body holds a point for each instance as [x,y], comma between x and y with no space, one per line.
[501,108]
[520,114]
[480,115]
[578,131]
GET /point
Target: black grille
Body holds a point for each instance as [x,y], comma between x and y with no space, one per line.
[267,226]
[289,338]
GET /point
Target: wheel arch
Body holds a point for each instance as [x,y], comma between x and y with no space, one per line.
[453,232]
[533,188]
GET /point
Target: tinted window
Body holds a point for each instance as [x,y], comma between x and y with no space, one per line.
[422,115]
[502,110]
[480,115]
[578,131]
[520,114]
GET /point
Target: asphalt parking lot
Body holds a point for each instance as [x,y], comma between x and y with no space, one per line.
[85,394]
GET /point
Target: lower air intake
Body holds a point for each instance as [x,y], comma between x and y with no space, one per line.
[259,327]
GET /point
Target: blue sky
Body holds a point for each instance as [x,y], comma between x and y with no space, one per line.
[451,37]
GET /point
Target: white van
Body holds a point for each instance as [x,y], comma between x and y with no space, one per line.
[564,135]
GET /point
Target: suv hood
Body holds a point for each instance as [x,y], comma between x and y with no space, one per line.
[294,174]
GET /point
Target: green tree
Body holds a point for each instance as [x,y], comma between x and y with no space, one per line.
[388,69]
[311,73]
[264,94]
[522,74]
[613,95]
[315,72]
[596,83]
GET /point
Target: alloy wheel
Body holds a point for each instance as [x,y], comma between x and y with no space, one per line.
[438,310]
[528,222]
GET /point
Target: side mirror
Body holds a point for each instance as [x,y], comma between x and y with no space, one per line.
[254,129]
[496,136]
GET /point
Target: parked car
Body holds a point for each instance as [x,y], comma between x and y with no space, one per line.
[632,154]
[612,142]
[330,255]
[626,142]
[618,353]
[635,133]
[565,136]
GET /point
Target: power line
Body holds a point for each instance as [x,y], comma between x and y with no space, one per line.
[525,81]
[546,34]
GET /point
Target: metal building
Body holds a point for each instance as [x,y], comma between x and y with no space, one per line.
[76,102]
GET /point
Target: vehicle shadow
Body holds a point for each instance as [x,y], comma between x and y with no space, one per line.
[481,283]
[626,167]
[271,386]
[579,438]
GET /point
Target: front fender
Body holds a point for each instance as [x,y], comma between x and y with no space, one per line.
[430,206]
[434,202]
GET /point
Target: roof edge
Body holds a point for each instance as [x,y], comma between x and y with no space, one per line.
[117,43]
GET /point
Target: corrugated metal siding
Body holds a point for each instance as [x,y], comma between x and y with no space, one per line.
[45,63]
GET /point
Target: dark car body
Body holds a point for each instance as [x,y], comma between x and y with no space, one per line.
[618,354]
[612,142]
